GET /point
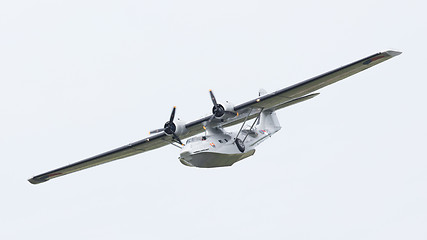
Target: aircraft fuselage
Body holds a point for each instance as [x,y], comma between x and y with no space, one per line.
[219,148]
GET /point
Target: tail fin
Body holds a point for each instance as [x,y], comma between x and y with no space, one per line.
[269,121]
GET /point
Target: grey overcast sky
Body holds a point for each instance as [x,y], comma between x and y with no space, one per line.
[82,77]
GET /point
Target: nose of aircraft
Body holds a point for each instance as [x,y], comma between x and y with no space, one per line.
[184,157]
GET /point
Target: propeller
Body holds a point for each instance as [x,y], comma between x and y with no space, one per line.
[218,110]
[169,128]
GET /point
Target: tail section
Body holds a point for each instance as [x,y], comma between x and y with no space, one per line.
[268,121]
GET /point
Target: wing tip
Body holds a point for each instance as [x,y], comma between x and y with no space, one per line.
[392,53]
[36,180]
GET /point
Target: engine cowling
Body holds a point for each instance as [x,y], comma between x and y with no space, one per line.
[222,110]
[173,128]
[177,127]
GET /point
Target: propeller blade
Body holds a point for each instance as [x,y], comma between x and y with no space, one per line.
[177,138]
[172,114]
[157,130]
[213,98]
[210,119]
[169,127]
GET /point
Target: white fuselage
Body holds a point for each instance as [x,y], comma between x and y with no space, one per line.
[218,148]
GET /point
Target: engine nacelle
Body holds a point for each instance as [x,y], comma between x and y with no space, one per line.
[223,110]
[180,127]
[177,127]
[229,107]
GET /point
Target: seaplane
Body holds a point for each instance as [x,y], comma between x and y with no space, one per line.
[208,142]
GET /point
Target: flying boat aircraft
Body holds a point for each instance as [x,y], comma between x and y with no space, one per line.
[208,143]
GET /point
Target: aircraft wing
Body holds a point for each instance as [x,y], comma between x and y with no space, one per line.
[295,93]
[146,144]
[281,96]
[276,100]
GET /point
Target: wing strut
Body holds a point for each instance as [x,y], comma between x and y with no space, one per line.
[246,118]
[174,143]
[256,119]
[239,143]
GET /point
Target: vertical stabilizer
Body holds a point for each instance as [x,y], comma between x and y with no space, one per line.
[269,121]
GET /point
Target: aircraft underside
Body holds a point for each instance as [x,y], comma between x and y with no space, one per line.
[212,159]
